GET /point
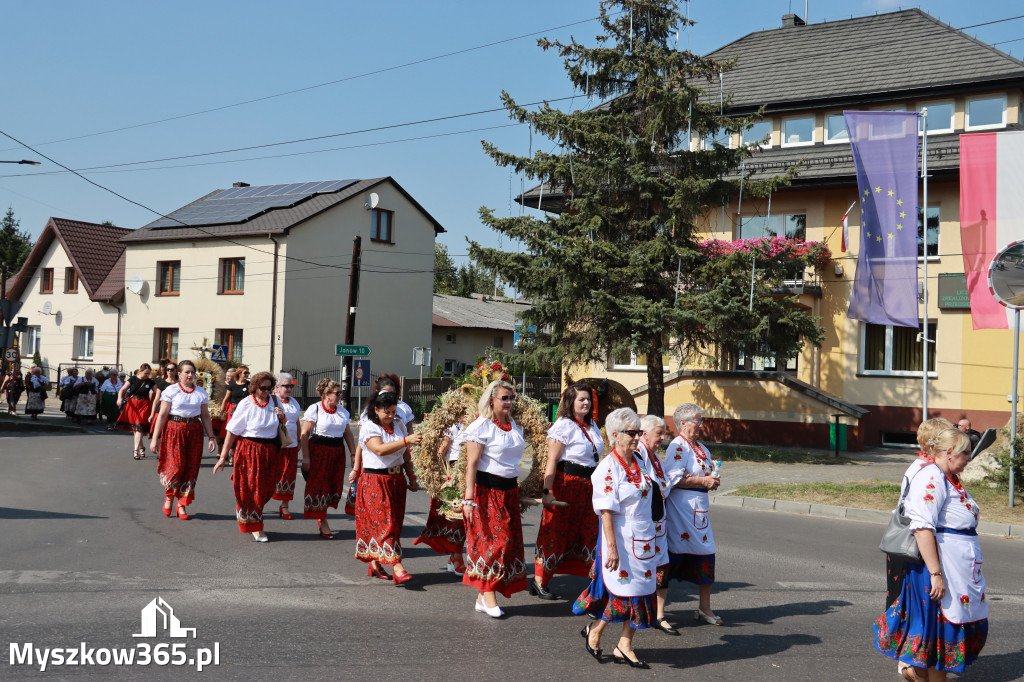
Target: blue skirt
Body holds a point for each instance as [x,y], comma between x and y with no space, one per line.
[639,611]
[914,631]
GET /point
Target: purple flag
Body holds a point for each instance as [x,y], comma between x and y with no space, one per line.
[884,145]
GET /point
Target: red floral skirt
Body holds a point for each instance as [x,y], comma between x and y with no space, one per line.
[640,612]
[325,484]
[494,543]
[181,453]
[135,415]
[286,482]
[568,535]
[257,470]
[441,534]
[380,510]
[698,569]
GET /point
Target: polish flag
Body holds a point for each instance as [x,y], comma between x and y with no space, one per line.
[991,214]
[844,243]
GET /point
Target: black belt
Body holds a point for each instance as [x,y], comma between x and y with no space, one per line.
[496,482]
[262,441]
[390,471]
[183,420]
[327,440]
[573,469]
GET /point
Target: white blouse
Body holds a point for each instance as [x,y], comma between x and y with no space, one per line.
[372,460]
[292,412]
[458,436]
[184,404]
[502,449]
[325,423]
[578,449]
[249,420]
[111,386]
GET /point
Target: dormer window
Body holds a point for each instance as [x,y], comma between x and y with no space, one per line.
[835,129]
[759,133]
[986,112]
[798,131]
[940,117]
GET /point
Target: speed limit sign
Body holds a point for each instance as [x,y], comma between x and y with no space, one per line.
[11,354]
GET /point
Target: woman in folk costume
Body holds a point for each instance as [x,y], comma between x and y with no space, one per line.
[631,543]
[166,377]
[12,387]
[567,536]
[66,392]
[87,391]
[382,469]
[441,534]
[285,489]
[109,389]
[490,505]
[36,386]
[325,435]
[386,383]
[183,418]
[691,545]
[939,622]
[252,431]
[133,400]
[235,392]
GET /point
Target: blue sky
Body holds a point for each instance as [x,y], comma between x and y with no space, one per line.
[72,69]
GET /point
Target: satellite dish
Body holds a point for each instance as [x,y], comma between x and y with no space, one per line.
[135,284]
[371,201]
[47,307]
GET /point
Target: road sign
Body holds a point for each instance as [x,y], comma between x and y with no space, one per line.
[355,351]
[219,353]
[11,355]
[361,373]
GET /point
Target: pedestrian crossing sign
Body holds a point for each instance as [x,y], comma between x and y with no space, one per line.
[219,353]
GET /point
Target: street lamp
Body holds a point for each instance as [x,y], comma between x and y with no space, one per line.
[24,161]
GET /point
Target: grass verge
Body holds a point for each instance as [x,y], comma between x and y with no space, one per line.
[882,495]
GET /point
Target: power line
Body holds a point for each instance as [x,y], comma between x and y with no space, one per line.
[987,23]
[319,85]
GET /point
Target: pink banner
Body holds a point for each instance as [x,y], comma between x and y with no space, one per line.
[979,199]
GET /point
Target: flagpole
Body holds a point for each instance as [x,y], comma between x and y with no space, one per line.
[924,218]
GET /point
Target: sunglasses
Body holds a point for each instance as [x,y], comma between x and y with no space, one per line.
[508,398]
[264,387]
[632,433]
[698,422]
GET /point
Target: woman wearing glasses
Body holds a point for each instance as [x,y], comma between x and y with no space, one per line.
[382,469]
[568,535]
[252,431]
[490,505]
[325,435]
[691,545]
[183,418]
[285,489]
[628,496]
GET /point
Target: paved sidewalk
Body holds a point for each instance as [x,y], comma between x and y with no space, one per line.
[882,464]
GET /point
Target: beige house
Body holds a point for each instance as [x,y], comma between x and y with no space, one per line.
[468,328]
[72,292]
[265,271]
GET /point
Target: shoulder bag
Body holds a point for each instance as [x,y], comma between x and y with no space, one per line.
[898,540]
[282,429]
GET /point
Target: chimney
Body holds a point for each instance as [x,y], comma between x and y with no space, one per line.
[791,20]
[246,184]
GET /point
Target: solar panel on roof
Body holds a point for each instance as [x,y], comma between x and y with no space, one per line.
[239,204]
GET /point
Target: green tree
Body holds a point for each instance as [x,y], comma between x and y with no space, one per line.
[602,272]
[14,244]
[475,279]
[445,277]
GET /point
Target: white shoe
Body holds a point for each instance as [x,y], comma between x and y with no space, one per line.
[453,569]
[492,611]
[260,538]
[712,620]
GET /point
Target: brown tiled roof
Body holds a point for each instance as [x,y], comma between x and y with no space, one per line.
[94,250]
[275,221]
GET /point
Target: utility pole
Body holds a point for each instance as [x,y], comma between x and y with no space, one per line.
[350,322]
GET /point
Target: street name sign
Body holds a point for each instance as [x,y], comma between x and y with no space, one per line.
[354,351]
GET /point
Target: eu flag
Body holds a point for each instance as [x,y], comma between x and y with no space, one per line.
[884,145]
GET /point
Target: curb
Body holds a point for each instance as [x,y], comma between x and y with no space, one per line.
[37,427]
[1003,530]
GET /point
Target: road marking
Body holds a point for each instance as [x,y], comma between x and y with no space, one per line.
[415,519]
[811,586]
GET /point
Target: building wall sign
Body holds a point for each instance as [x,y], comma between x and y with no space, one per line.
[953,291]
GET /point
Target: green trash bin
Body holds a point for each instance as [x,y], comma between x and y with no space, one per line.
[832,436]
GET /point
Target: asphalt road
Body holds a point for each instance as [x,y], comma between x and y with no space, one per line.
[84,547]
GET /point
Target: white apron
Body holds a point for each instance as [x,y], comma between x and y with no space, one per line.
[689,525]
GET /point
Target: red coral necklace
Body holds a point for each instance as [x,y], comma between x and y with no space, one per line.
[388,431]
[257,401]
[186,390]
[503,427]
[328,410]
[632,471]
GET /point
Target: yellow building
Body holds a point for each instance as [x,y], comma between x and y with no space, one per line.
[805,76]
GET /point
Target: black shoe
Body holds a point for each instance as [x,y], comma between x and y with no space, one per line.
[596,653]
[665,627]
[538,590]
[622,659]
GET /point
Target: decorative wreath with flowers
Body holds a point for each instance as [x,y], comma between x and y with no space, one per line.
[446,481]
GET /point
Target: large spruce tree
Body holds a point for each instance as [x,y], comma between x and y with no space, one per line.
[602,273]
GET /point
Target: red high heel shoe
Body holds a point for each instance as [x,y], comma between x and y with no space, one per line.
[402,577]
[182,514]
[378,572]
[287,516]
[328,535]
[168,510]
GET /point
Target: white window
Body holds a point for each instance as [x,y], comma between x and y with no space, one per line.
[895,351]
[721,136]
[764,363]
[30,342]
[449,338]
[940,117]
[792,226]
[634,360]
[933,233]
[83,343]
[449,367]
[759,133]
[835,129]
[798,131]
[986,112]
